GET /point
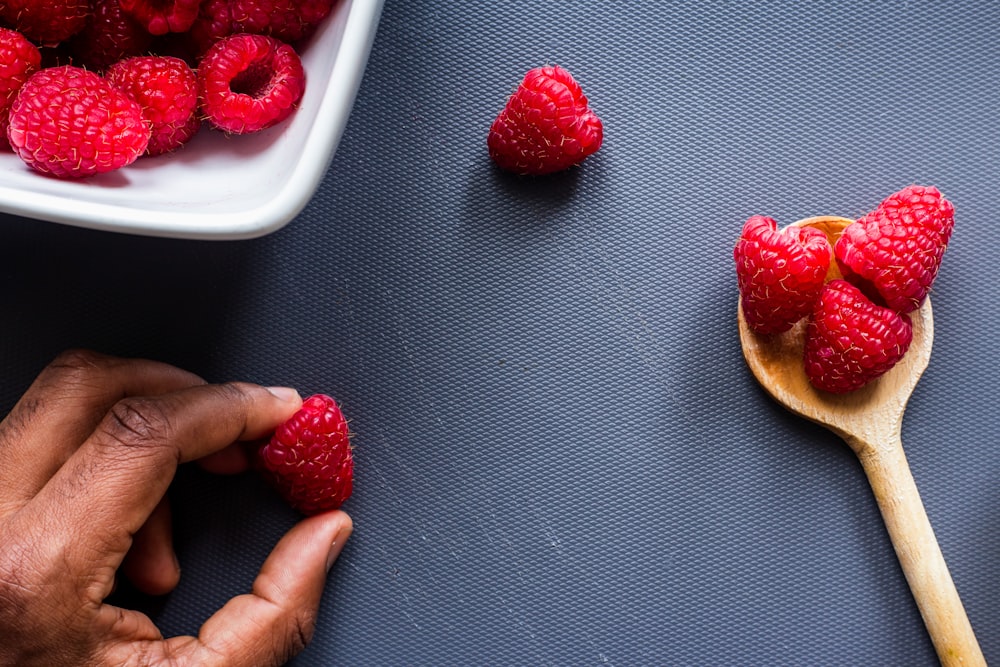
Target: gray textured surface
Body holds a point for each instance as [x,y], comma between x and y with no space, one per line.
[562,459]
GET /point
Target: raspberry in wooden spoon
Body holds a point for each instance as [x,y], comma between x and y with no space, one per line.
[893,254]
[779,273]
[870,420]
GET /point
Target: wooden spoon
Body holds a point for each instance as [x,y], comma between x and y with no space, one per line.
[870,421]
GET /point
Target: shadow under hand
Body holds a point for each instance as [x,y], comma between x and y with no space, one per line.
[66,287]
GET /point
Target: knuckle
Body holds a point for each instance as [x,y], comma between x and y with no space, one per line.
[303,626]
[139,423]
[77,364]
[75,372]
[236,396]
[235,392]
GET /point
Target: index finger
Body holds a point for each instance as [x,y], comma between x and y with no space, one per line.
[107,489]
[63,406]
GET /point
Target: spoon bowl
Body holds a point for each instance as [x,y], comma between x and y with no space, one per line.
[870,421]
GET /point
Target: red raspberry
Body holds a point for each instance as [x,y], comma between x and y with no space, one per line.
[287,20]
[546,126]
[309,459]
[850,341]
[69,122]
[213,23]
[19,59]
[780,273]
[893,254]
[45,22]
[162,16]
[109,36]
[166,89]
[249,82]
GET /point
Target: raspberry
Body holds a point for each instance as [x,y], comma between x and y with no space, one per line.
[893,254]
[19,59]
[166,90]
[287,20]
[850,341]
[309,460]
[213,23]
[109,36]
[546,126]
[779,273]
[249,82]
[46,22]
[70,123]
[162,16]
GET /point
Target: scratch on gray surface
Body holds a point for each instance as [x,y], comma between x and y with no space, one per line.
[553,539]
[614,296]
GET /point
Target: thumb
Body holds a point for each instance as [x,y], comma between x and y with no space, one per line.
[277,619]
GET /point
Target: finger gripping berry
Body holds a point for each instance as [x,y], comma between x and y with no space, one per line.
[309,459]
[546,126]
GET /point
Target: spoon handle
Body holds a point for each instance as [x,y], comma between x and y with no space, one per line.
[918,552]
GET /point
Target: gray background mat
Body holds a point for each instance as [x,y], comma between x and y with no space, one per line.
[561,457]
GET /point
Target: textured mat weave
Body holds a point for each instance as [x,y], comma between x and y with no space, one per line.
[562,459]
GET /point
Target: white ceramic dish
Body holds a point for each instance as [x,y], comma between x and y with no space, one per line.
[218,186]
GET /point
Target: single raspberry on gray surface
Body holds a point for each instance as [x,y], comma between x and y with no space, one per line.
[546,126]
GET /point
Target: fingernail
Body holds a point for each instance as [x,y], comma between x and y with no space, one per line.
[286,394]
[339,539]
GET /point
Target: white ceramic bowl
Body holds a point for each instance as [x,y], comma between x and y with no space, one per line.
[218,186]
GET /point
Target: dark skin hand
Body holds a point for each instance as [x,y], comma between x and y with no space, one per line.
[88,453]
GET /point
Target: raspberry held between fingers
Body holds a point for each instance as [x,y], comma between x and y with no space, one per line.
[309,460]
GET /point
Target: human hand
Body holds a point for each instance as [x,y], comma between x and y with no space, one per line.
[86,457]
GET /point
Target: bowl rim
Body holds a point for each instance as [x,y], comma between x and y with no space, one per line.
[287,201]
